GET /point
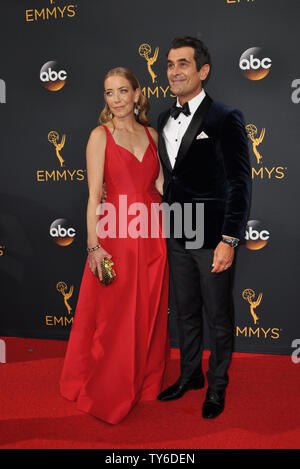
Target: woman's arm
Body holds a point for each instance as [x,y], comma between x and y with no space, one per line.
[95,159]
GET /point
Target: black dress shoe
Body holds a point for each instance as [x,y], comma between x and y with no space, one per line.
[213,404]
[178,389]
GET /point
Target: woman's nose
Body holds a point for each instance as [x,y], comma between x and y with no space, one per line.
[117,97]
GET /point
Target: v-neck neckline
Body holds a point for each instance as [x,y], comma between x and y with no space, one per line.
[130,152]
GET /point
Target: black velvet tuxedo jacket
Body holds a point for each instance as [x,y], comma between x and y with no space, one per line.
[214,171]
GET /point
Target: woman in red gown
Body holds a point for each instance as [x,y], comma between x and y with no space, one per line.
[118,345]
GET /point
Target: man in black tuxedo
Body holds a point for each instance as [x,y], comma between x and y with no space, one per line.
[203,151]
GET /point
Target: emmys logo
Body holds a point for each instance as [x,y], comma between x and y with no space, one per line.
[254,64]
[52,320]
[256,238]
[254,302]
[145,51]
[52,12]
[252,132]
[52,77]
[262,172]
[239,1]
[43,175]
[158,91]
[249,295]
[61,233]
[62,287]
[2,92]
[53,138]
[296,93]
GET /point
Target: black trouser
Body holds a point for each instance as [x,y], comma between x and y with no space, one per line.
[197,288]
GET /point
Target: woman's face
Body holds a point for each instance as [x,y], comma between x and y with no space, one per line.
[120,96]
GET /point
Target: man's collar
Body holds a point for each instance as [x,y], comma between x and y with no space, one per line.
[195,102]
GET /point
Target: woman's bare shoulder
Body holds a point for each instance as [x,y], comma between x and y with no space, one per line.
[98,132]
[154,134]
[97,135]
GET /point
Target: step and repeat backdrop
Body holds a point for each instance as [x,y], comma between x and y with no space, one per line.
[53,57]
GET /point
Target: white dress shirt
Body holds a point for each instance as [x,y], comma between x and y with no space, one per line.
[175,129]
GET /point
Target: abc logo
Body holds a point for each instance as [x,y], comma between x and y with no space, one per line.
[256,237]
[254,64]
[61,233]
[52,77]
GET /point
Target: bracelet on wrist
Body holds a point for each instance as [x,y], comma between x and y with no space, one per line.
[94,248]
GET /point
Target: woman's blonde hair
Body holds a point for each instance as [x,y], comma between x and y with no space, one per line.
[141,106]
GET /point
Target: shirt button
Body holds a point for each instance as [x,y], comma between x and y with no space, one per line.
[179,122]
[176,140]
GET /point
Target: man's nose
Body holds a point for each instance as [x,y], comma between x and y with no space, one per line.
[175,71]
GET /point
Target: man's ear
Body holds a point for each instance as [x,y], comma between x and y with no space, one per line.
[204,71]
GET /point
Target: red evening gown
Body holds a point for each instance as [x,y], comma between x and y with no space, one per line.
[118,344]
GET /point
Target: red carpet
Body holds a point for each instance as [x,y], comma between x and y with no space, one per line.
[262,407]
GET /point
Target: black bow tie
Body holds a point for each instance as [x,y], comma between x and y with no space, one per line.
[175,110]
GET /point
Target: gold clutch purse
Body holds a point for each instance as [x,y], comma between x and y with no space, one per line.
[108,272]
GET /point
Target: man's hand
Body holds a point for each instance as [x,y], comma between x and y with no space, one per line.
[223,257]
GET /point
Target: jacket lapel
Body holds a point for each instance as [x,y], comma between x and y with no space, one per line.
[162,150]
[193,129]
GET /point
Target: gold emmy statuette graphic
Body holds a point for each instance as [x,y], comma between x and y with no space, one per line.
[248,295]
[252,131]
[53,137]
[62,288]
[145,51]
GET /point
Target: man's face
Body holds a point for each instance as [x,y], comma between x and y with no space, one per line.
[184,78]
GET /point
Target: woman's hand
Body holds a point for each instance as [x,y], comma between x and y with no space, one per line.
[95,258]
[159,187]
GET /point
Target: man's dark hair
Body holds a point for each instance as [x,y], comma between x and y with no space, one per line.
[201,54]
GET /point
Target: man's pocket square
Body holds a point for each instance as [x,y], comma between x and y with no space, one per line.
[202,135]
